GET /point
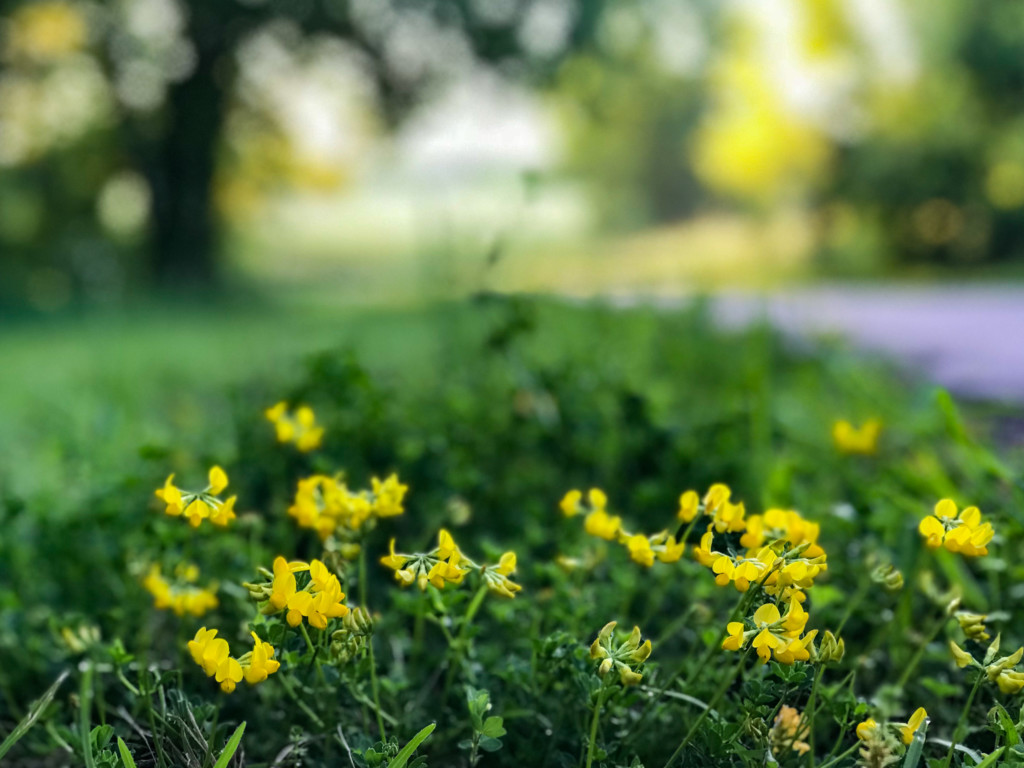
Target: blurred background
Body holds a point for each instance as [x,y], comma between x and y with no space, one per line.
[390,150]
[197,190]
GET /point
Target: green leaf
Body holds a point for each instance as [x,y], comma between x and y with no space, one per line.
[231,748]
[991,759]
[1008,726]
[33,714]
[916,747]
[126,756]
[402,758]
[487,744]
[493,727]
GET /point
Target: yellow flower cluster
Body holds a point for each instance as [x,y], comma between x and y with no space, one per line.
[298,427]
[1002,671]
[784,574]
[181,599]
[624,657]
[446,564]
[326,505]
[775,634]
[642,548]
[789,732]
[870,730]
[319,600]
[963,532]
[214,656]
[197,506]
[862,440]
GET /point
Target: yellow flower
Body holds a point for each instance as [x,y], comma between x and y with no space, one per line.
[225,513]
[180,599]
[497,577]
[299,428]
[960,656]
[597,498]
[689,506]
[735,639]
[570,503]
[213,655]
[963,533]
[599,523]
[640,551]
[261,663]
[170,494]
[388,496]
[197,506]
[789,730]
[907,731]
[866,729]
[854,440]
[394,561]
[218,480]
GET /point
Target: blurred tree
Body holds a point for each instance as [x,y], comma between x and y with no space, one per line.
[172,67]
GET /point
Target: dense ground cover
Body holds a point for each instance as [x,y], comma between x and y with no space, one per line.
[490,413]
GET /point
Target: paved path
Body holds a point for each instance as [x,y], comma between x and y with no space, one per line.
[969,338]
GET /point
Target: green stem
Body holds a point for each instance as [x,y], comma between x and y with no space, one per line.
[961,724]
[85,705]
[843,756]
[460,638]
[374,684]
[711,705]
[809,710]
[594,722]
[916,658]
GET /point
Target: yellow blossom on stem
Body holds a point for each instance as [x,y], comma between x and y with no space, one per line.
[861,440]
[197,506]
[963,532]
[299,427]
[908,730]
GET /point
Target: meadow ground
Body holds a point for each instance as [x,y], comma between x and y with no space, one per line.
[491,411]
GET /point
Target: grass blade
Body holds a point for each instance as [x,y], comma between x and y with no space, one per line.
[403,756]
[231,748]
[33,714]
[126,756]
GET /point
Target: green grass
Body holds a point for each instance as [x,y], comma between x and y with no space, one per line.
[489,410]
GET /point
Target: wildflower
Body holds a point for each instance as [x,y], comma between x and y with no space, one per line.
[785,525]
[853,440]
[973,625]
[908,730]
[866,729]
[964,533]
[214,656]
[299,427]
[259,663]
[789,731]
[387,496]
[888,576]
[639,547]
[326,505]
[689,506]
[624,657]
[181,599]
[831,650]
[197,506]
[446,564]
[774,633]
[599,523]
[318,601]
[497,577]
[570,503]
[438,567]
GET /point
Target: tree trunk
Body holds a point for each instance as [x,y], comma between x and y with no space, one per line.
[180,168]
